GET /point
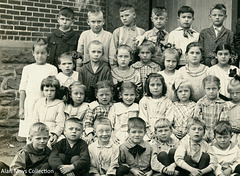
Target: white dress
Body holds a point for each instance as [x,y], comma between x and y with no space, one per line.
[32,77]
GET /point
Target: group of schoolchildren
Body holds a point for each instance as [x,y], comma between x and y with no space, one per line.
[139,103]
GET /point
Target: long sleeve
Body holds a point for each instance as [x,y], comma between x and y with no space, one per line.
[54,159]
[225,113]
[198,111]
[179,155]
[114,162]
[88,121]
[80,46]
[60,120]
[19,161]
[112,116]
[143,113]
[113,48]
[155,164]
[122,157]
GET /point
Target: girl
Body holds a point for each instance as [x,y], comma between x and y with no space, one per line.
[75,107]
[170,74]
[98,109]
[211,108]
[155,104]
[124,72]
[193,71]
[234,107]
[222,68]
[183,109]
[146,66]
[122,111]
[32,76]
[49,109]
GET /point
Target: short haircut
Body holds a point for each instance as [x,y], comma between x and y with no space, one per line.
[234,83]
[162,123]
[185,9]
[194,44]
[223,128]
[126,7]
[221,7]
[136,122]
[103,84]
[66,12]
[73,120]
[95,42]
[171,51]
[148,44]
[50,81]
[95,12]
[66,55]
[37,128]
[124,46]
[159,11]
[184,83]
[41,42]
[147,82]
[102,121]
[194,121]
[211,79]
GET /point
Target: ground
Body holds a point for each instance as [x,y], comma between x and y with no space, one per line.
[9,147]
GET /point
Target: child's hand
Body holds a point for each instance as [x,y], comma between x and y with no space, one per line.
[169,170]
[228,171]
[89,138]
[115,139]
[66,169]
[21,114]
[195,172]
[149,173]
[136,172]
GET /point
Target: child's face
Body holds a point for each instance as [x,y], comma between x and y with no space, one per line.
[136,135]
[145,55]
[40,54]
[155,87]
[65,22]
[39,140]
[103,132]
[223,57]
[159,22]
[223,141]
[49,93]
[95,52]
[170,62]
[77,95]
[127,17]
[194,55]
[123,58]
[183,93]
[196,132]
[66,66]
[95,22]
[128,96]
[163,134]
[104,96]
[217,17]
[235,94]
[211,90]
[185,20]
[73,131]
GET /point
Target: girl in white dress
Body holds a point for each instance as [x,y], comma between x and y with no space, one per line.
[32,76]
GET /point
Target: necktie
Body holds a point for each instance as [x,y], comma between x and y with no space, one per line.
[187,32]
[160,37]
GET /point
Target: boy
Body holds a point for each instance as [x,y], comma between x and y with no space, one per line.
[158,35]
[135,153]
[234,108]
[34,156]
[70,155]
[66,65]
[126,34]
[195,156]
[217,34]
[164,148]
[63,39]
[184,34]
[96,22]
[103,152]
[227,153]
[94,70]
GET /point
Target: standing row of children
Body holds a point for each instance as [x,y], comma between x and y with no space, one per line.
[182,87]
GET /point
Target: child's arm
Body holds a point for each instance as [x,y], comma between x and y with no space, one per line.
[18,165]
[113,48]
[88,122]
[224,114]
[21,104]
[54,160]
[114,162]
[155,164]
[112,118]
[93,160]
[212,163]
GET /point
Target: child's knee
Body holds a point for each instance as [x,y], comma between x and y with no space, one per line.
[74,158]
[205,157]
[162,156]
[122,170]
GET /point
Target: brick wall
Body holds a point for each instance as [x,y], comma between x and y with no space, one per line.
[27,20]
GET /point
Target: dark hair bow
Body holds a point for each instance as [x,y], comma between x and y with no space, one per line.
[169,45]
[137,149]
[232,72]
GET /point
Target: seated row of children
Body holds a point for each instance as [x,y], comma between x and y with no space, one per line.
[72,156]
